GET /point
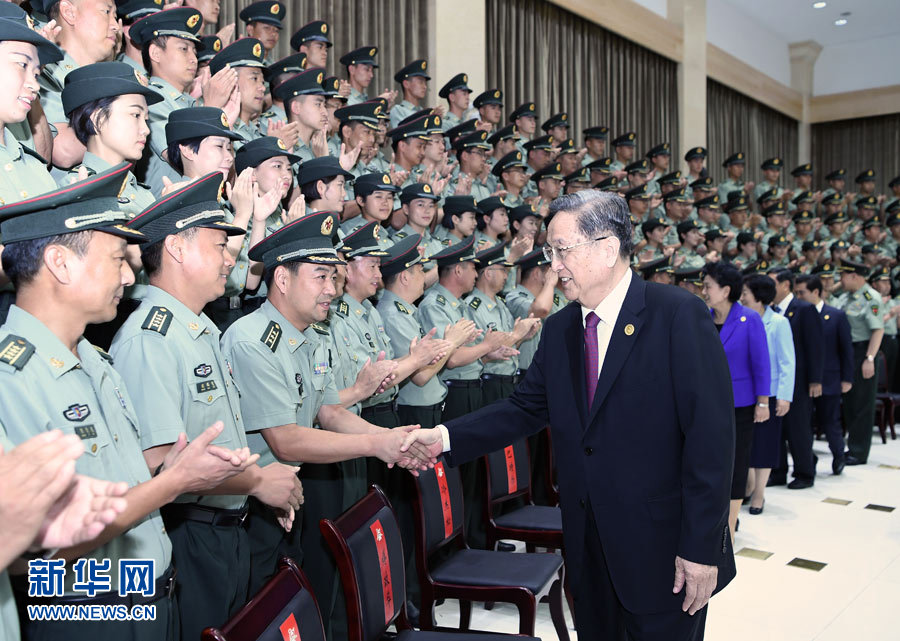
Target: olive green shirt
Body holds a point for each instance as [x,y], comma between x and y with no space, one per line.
[44,386]
[692,260]
[493,316]
[9,618]
[22,175]
[170,359]
[52,80]
[356,97]
[431,244]
[173,99]
[519,302]
[438,309]
[401,110]
[864,310]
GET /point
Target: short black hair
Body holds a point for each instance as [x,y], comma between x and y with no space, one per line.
[762,288]
[725,275]
[443,270]
[22,260]
[151,255]
[80,118]
[353,124]
[269,273]
[145,52]
[390,280]
[783,274]
[812,282]
[309,191]
[173,151]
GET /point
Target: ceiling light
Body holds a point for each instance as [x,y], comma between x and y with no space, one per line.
[819,5]
[840,22]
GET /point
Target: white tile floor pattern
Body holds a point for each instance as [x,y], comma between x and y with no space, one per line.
[854,596]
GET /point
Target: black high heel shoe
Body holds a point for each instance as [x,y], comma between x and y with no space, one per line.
[758,510]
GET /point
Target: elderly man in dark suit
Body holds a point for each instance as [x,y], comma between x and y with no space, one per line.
[633,379]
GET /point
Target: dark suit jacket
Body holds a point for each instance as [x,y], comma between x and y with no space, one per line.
[654,452]
[806,326]
[837,348]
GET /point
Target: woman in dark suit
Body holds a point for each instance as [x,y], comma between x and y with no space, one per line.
[743,336]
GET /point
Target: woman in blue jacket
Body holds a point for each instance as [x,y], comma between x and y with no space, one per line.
[744,339]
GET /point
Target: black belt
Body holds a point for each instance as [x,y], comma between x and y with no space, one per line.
[505,378]
[164,589]
[177,512]
[381,408]
[860,343]
[437,407]
[227,303]
[464,383]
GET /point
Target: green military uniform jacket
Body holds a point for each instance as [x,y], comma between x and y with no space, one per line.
[356,97]
[493,316]
[692,260]
[401,110]
[131,62]
[173,99]
[22,174]
[385,241]
[51,81]
[44,386]
[765,186]
[438,309]
[864,311]
[431,243]
[287,374]
[727,186]
[170,359]
[519,302]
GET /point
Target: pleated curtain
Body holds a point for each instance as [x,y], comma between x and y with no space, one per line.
[857,145]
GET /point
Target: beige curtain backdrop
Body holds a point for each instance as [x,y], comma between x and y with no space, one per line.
[399,28]
[857,145]
[735,122]
[537,52]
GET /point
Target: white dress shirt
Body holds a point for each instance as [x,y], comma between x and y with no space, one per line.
[608,313]
[820,305]
[783,305]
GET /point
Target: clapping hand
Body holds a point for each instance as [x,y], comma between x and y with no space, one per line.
[200,465]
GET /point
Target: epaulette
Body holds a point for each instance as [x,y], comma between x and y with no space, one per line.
[267,114]
[15,351]
[400,234]
[158,320]
[502,296]
[103,353]
[144,185]
[400,307]
[34,154]
[272,336]
[446,242]
[343,309]
[440,299]
[475,303]
[556,299]
[867,295]
[320,329]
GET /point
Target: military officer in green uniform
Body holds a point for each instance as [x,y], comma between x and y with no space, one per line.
[375,197]
[837,182]
[734,166]
[459,222]
[880,280]
[457,94]
[576,181]
[771,169]
[312,39]
[419,204]
[510,170]
[263,20]
[471,154]
[490,107]
[623,147]
[357,127]
[538,154]
[361,65]
[803,229]
[303,97]
[277,73]
[524,117]
[595,142]
[691,236]
[864,311]
[129,12]
[54,379]
[168,354]
[707,212]
[246,57]
[413,78]
[776,221]
[557,126]
[548,182]
[695,157]
[659,158]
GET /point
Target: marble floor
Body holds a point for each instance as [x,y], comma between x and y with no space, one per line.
[848,526]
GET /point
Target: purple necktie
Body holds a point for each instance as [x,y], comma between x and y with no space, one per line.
[591,356]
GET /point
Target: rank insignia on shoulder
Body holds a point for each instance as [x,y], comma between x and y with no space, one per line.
[400,235]
[103,354]
[475,303]
[867,295]
[400,307]
[15,351]
[556,299]
[320,329]
[440,299]
[272,336]
[158,320]
[343,308]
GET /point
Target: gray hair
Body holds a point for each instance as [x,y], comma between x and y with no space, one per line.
[599,213]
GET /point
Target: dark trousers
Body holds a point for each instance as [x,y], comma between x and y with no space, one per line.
[797,431]
[464,397]
[213,573]
[382,415]
[859,406]
[600,616]
[828,417]
[269,542]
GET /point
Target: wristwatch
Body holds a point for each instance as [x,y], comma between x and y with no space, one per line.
[763,405]
[870,358]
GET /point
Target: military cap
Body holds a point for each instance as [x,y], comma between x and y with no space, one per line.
[865,176]
[712,202]
[360,56]
[802,170]
[580,175]
[402,255]
[130,10]
[638,193]
[525,109]
[317,30]
[695,152]
[294,63]
[657,266]
[319,168]
[181,22]
[429,122]
[417,190]
[414,129]
[510,161]
[810,245]
[534,258]
[567,146]
[376,181]
[608,184]
[363,112]
[880,273]
[641,166]
[867,202]
[837,174]
[671,178]
[677,195]
[893,218]
[837,217]
[90,204]
[198,122]
[552,170]
[306,83]
[266,11]
[332,87]
[834,198]
[601,164]
[494,255]
[364,241]
[893,208]
[693,276]
[803,197]
[778,241]
[625,140]
[490,204]
[775,209]
[306,240]
[383,112]
[599,132]
[459,81]
[839,244]
[735,204]
[477,140]
[489,97]
[659,150]
[713,233]
[894,182]
[414,68]
[803,217]
[208,48]
[245,52]
[825,270]
[17,25]
[556,120]
[852,267]
[687,225]
[872,222]
[541,142]
[255,152]
[464,128]
[758,267]
[458,205]
[522,212]
[104,80]
[653,223]
[734,159]
[769,194]
[772,163]
[705,182]
[461,252]
[194,205]
[745,237]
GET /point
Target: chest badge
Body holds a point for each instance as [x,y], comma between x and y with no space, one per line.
[76,412]
[203,370]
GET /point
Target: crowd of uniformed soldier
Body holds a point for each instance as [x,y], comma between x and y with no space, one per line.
[252,242]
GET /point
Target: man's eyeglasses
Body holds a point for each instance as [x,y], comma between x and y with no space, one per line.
[560,252]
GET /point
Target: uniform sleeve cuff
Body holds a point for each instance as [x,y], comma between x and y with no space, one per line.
[445,437]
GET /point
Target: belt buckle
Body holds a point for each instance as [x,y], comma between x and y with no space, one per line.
[234,302]
[170,586]
[243,518]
